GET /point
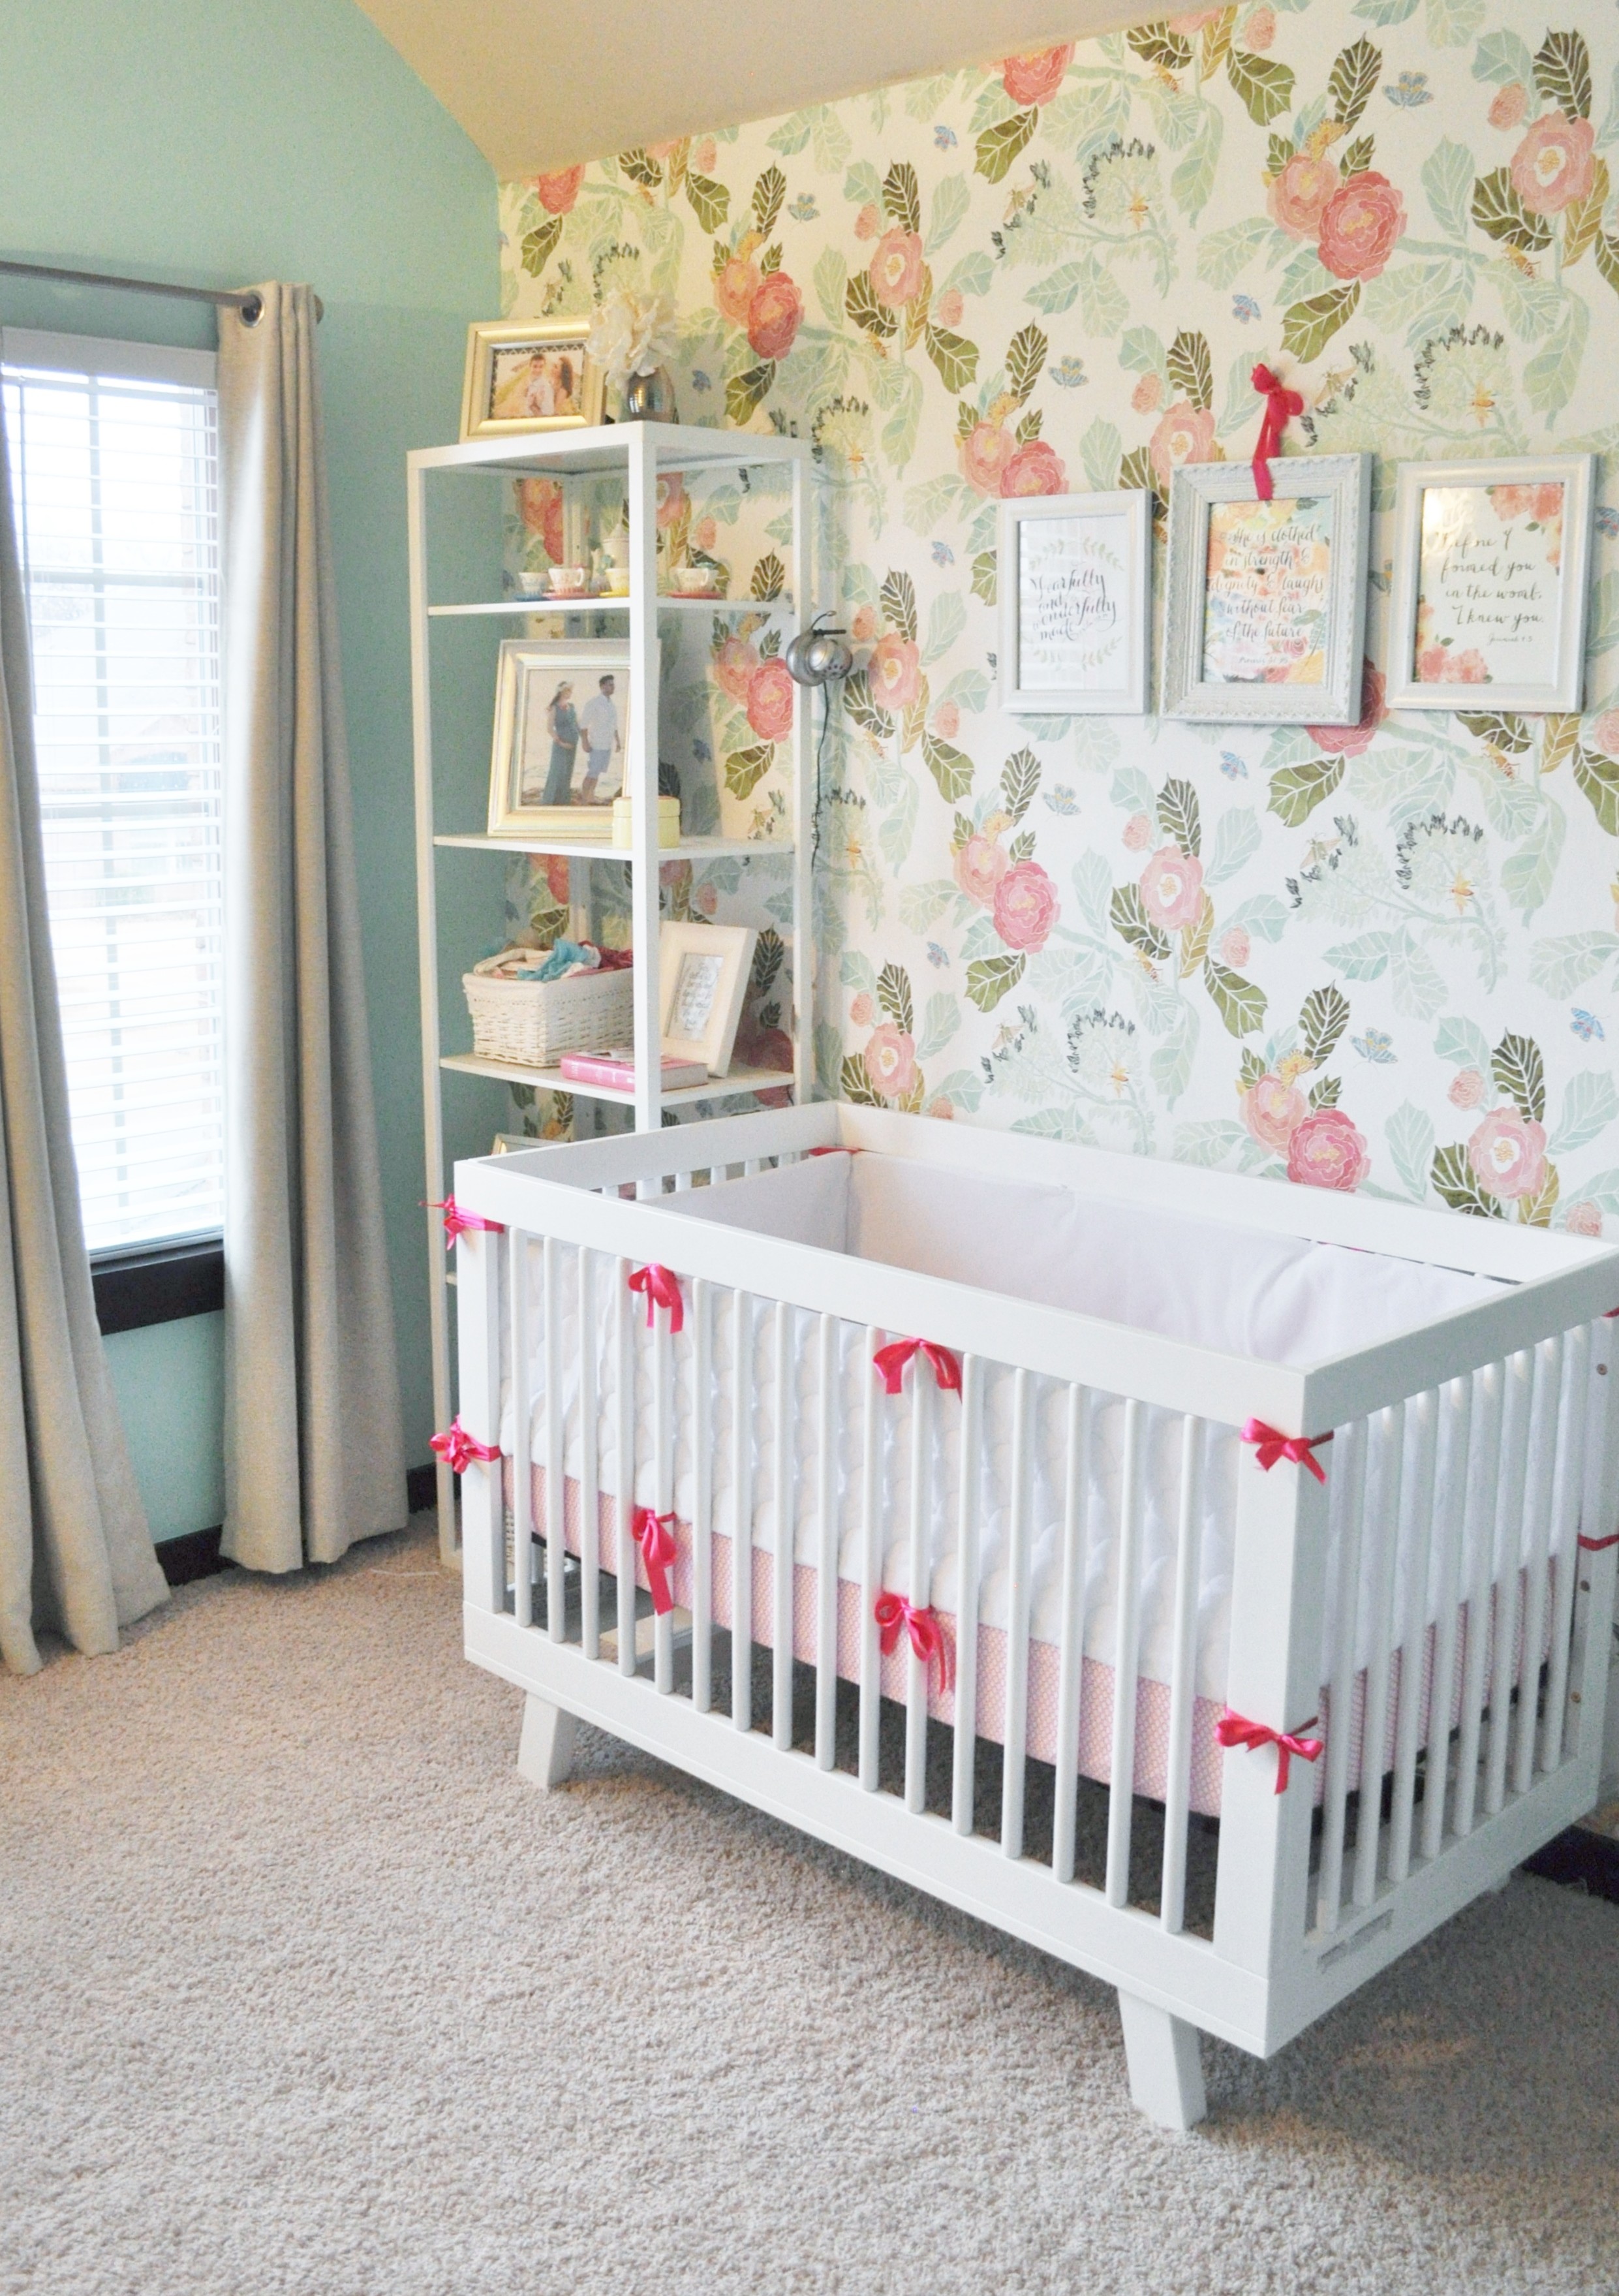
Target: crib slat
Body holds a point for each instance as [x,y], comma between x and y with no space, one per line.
[590,1524]
[1071,1662]
[1482,1490]
[663,1486]
[782,1434]
[1417,1539]
[1183,1682]
[1346,1502]
[702,1494]
[1383,1521]
[742,1512]
[1016,1717]
[1507,1545]
[556,1517]
[1456,1441]
[1537,1522]
[1121,1773]
[826,1556]
[964,1765]
[624,1440]
[517,1266]
[918,1580]
[1565,1516]
[870,1569]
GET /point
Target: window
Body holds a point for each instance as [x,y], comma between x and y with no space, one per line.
[114,453]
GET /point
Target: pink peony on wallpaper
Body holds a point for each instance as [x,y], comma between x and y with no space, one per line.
[1380,957]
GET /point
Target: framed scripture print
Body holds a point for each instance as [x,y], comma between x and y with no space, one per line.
[533,374]
[1266,613]
[702,979]
[1075,572]
[561,730]
[1489,590]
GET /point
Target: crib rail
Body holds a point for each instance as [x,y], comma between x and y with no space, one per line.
[1451,1695]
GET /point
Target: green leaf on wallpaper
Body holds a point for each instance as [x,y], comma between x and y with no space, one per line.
[1562,74]
[1551,376]
[1520,1073]
[1358,156]
[1093,889]
[1303,274]
[858,702]
[1383,11]
[1353,79]
[927,503]
[899,431]
[920,907]
[970,275]
[1132,792]
[925,97]
[969,688]
[1603,629]
[1307,328]
[1025,357]
[1501,729]
[946,620]
[1180,817]
[1278,151]
[1321,1022]
[1589,1105]
[939,1025]
[902,197]
[1142,352]
[1264,915]
[641,170]
[1456,1182]
[1189,369]
[1224,254]
[1210,1143]
[1238,1003]
[1561,966]
[745,769]
[896,832]
[1365,958]
[1597,778]
[1407,298]
[1501,57]
[1409,1134]
[749,389]
[1296,791]
[1022,848]
[956,359]
[856,970]
[946,213]
[1530,304]
[1447,178]
[863,185]
[1451,23]
[1156,43]
[991,978]
[872,317]
[1020,780]
[897,599]
[893,995]
[1463,1043]
[1413,979]
[539,246]
[792,136]
[831,277]
[1241,406]
[999,146]
[1171,1065]
[768,192]
[1326,1092]
[1264,85]
[1099,451]
[1236,842]
[950,768]
[829,143]
[1526,875]
[769,578]
[710,202]
[1059,289]
[983,577]
[1103,303]
[1096,743]
[1499,212]
[1194,178]
[1130,922]
[853,1084]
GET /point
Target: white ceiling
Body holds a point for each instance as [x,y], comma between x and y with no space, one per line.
[539,85]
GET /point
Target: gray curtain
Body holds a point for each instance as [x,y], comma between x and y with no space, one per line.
[314,1454]
[76,1556]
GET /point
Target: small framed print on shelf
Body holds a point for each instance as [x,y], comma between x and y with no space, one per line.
[1075,577]
[561,728]
[1266,614]
[702,979]
[1489,583]
[533,374]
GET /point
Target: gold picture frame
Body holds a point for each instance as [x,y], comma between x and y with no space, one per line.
[554,777]
[529,374]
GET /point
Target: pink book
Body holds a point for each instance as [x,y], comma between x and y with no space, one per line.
[617,1070]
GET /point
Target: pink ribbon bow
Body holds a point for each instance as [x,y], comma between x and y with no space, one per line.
[1237,1730]
[1272,1445]
[1280,406]
[458,1449]
[661,1288]
[894,1616]
[654,1535]
[1596,1546]
[889,1364]
[456,1222]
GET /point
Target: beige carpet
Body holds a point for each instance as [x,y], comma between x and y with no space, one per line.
[301,1988]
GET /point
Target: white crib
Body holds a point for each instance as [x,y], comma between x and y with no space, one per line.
[1098,1534]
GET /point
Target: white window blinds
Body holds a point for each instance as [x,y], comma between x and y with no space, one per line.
[114,473]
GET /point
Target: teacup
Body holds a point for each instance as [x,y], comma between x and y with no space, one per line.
[530,584]
[693,581]
[568,578]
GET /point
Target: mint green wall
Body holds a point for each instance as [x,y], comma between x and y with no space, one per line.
[170,1386]
[216,143]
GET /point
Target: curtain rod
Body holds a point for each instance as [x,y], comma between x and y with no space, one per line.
[244,299]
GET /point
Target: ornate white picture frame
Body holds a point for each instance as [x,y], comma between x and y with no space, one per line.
[1266,622]
[1075,583]
[702,980]
[1490,584]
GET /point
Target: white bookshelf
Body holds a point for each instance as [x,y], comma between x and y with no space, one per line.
[637,453]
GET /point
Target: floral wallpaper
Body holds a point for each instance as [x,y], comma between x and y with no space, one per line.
[1383,957]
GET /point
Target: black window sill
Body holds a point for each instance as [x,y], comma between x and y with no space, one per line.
[158,1282]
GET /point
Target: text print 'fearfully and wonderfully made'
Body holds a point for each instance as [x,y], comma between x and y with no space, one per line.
[1487,594]
[1264,613]
[1072,623]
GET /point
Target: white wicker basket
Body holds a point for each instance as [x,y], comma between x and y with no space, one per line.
[534,1023]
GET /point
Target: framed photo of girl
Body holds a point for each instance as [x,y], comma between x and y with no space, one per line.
[561,731]
[1075,572]
[1265,620]
[1488,599]
[530,374]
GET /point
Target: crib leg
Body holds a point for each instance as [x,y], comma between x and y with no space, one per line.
[1165,2067]
[546,1751]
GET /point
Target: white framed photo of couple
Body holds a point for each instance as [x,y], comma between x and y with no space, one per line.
[561,729]
[1488,598]
[1075,572]
[533,374]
